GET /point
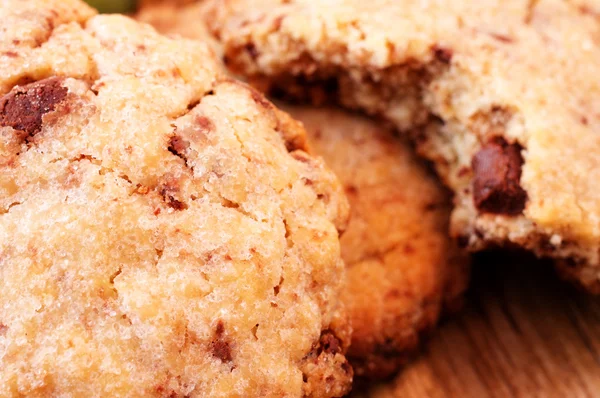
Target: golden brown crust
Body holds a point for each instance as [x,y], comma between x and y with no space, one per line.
[402,266]
[162,230]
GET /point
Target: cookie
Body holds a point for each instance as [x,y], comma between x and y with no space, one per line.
[163,231]
[506,89]
[403,268]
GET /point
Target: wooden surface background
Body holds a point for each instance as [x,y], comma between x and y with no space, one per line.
[523,333]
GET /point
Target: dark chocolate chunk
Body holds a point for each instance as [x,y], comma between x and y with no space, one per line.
[327,344]
[178,146]
[443,54]
[222,351]
[220,346]
[170,192]
[497,172]
[23,108]
[174,203]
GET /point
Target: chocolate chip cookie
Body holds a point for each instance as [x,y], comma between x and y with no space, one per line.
[506,90]
[403,268]
[163,231]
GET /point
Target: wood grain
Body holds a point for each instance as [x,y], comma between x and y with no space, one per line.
[523,333]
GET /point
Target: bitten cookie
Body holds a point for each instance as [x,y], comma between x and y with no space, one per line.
[507,88]
[403,268]
[162,230]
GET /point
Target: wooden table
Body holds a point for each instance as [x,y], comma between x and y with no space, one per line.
[523,333]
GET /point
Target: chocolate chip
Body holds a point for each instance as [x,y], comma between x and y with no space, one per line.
[329,343]
[23,108]
[497,172]
[169,191]
[220,347]
[252,51]
[222,351]
[442,54]
[174,203]
[220,329]
[178,146]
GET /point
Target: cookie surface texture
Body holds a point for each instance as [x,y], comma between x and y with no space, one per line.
[403,269]
[162,230]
